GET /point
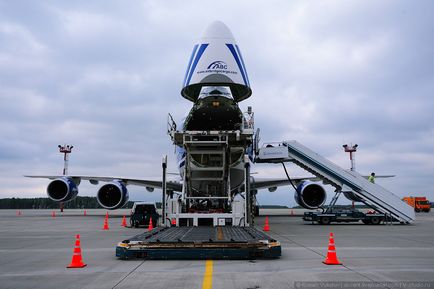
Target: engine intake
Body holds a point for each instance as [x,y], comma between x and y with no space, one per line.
[113,195]
[62,189]
[310,195]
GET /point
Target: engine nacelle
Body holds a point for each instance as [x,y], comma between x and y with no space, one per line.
[310,195]
[62,189]
[113,195]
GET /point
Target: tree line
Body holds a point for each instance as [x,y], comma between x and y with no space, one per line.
[46,203]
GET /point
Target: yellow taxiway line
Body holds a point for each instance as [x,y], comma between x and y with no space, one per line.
[207,277]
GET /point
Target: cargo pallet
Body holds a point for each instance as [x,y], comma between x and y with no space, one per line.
[199,243]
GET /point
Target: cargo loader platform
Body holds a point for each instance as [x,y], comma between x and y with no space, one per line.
[200,243]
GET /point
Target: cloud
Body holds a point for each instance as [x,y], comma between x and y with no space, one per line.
[104,76]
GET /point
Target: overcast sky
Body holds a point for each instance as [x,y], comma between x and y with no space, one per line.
[102,76]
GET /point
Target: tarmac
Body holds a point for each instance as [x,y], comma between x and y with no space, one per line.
[36,248]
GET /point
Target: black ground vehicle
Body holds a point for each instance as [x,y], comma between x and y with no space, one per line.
[141,214]
[346,216]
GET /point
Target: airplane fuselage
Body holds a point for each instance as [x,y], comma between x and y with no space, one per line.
[215,111]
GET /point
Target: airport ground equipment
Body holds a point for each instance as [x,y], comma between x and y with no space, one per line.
[213,215]
[351,149]
[266,225]
[106,225]
[345,216]
[331,258]
[213,161]
[77,260]
[124,221]
[348,182]
[332,214]
[420,204]
[65,150]
[141,214]
[230,242]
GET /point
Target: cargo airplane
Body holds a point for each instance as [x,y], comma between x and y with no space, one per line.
[216,81]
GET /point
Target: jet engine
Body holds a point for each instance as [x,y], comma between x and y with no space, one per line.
[310,195]
[113,195]
[62,189]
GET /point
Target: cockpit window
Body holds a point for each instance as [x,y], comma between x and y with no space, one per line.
[215,91]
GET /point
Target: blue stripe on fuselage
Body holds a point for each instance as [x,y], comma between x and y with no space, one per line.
[181,165]
[180,156]
[237,59]
[244,66]
[189,62]
[196,60]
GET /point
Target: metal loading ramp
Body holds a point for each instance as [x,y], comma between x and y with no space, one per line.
[224,242]
[349,181]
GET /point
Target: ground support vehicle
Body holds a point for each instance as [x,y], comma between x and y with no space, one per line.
[346,216]
[200,243]
[206,222]
[420,204]
[141,214]
[333,214]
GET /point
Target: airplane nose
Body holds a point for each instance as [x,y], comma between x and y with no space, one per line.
[217,30]
[216,61]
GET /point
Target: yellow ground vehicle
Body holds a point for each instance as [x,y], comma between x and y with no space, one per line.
[420,204]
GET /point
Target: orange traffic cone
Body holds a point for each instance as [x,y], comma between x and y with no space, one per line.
[124,221]
[106,215]
[173,222]
[332,258]
[53,214]
[77,261]
[85,214]
[266,226]
[18,213]
[106,226]
[150,227]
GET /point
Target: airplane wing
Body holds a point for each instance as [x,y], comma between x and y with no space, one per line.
[263,183]
[171,185]
[381,176]
[176,186]
[259,183]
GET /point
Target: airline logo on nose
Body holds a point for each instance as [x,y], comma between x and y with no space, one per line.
[218,65]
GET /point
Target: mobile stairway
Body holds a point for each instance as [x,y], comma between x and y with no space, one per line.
[345,181]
